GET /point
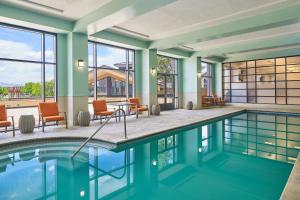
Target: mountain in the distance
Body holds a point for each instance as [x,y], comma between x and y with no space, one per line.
[9,85]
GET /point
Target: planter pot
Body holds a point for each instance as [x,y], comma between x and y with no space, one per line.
[189,105]
[155,109]
[26,123]
[84,118]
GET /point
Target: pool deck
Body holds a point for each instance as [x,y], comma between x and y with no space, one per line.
[113,132]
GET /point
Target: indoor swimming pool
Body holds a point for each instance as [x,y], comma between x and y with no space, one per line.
[245,156]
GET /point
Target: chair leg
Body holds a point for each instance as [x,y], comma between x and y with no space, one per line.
[6,129]
[43,125]
[39,122]
[13,130]
[13,125]
[66,119]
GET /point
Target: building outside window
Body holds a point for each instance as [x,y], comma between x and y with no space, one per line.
[206,78]
[112,69]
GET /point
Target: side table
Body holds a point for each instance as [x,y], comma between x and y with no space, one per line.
[26,123]
[84,118]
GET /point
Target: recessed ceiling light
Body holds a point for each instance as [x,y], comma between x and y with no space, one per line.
[131,32]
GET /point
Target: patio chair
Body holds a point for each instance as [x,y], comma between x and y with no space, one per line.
[218,100]
[137,107]
[4,121]
[206,102]
[48,112]
[100,109]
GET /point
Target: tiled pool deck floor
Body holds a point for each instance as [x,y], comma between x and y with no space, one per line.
[145,126]
[113,132]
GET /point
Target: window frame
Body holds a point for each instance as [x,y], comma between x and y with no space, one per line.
[175,76]
[256,82]
[43,61]
[209,77]
[128,71]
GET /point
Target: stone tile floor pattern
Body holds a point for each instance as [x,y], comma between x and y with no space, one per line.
[136,128]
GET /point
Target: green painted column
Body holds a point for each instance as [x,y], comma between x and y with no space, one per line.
[217,79]
[191,81]
[149,80]
[62,66]
[138,73]
[180,83]
[72,80]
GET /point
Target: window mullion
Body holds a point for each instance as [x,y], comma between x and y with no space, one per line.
[95,69]
[127,75]
[43,68]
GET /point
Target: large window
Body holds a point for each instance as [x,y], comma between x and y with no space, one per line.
[167,76]
[206,81]
[111,72]
[269,81]
[27,66]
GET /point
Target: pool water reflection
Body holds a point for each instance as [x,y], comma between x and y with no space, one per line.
[248,156]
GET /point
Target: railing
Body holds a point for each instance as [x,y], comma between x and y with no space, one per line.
[102,125]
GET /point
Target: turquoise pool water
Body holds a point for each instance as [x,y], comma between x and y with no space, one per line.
[247,156]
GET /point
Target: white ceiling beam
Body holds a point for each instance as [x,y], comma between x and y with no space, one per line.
[276,18]
[116,12]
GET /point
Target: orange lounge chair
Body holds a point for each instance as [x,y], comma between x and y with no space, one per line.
[218,100]
[206,102]
[100,109]
[3,120]
[137,107]
[48,112]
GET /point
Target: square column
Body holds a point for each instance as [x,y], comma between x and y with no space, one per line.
[72,79]
[192,81]
[146,81]
[180,84]
[217,79]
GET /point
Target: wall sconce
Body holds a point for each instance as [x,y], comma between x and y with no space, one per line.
[80,63]
[154,162]
[199,74]
[199,149]
[153,71]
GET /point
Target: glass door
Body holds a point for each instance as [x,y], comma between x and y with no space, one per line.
[166,91]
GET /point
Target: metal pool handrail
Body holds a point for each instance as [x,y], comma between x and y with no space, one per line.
[102,125]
